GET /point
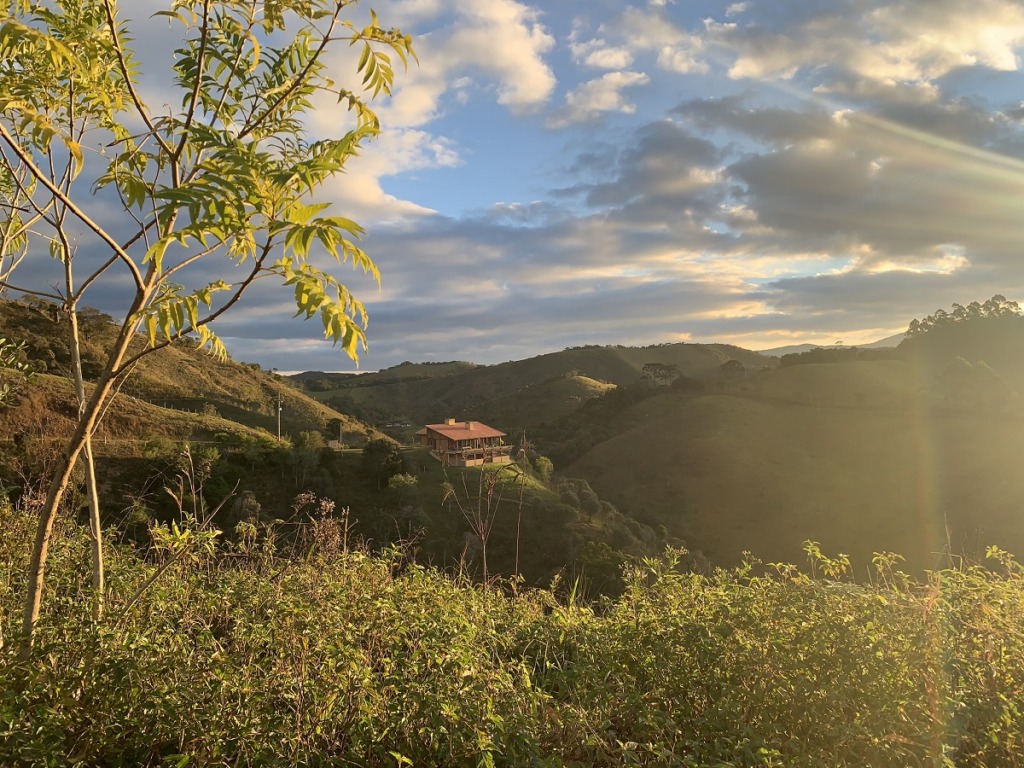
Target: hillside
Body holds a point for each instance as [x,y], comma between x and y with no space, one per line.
[513,395]
[168,387]
[910,450]
[862,456]
[227,412]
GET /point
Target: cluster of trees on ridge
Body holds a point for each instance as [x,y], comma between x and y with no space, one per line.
[995,308]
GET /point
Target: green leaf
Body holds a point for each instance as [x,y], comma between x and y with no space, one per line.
[76,152]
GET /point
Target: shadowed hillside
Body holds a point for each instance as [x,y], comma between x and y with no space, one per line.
[861,456]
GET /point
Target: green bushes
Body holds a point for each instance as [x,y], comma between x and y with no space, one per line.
[245,658]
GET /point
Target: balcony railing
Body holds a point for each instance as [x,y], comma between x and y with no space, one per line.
[472,454]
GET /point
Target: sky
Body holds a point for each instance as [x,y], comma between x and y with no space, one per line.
[758,173]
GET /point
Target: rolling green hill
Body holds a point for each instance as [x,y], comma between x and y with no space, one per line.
[913,452]
[513,395]
[228,412]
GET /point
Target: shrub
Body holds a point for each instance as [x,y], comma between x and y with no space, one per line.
[340,658]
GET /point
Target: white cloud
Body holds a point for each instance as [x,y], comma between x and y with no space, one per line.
[506,40]
[500,43]
[765,219]
[481,45]
[680,59]
[358,193]
[877,41]
[599,54]
[646,31]
[596,97]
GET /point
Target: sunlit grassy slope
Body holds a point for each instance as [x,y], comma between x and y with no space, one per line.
[45,410]
[178,382]
[861,456]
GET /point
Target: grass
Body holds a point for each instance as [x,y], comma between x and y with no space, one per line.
[176,393]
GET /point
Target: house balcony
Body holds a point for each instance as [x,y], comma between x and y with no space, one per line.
[471,457]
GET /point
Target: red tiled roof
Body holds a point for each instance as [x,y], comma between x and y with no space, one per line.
[460,431]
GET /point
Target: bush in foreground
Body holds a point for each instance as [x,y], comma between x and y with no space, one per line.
[341,658]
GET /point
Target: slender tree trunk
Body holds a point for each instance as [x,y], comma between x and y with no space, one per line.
[62,475]
[44,531]
[95,533]
[95,526]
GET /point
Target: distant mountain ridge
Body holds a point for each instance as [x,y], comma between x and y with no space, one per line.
[795,349]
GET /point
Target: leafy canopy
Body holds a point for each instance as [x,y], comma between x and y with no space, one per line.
[996,307]
[230,171]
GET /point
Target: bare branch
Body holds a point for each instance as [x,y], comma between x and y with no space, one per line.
[4,284]
[82,216]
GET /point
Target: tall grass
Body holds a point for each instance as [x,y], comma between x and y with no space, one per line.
[340,658]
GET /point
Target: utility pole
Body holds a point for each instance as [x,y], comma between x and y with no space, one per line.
[279,417]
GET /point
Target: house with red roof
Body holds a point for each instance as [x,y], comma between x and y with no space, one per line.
[465,443]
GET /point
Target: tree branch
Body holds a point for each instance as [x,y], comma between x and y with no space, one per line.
[194,101]
[251,126]
[31,292]
[122,64]
[79,213]
[242,286]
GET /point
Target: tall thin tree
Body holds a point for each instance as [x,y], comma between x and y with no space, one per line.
[223,185]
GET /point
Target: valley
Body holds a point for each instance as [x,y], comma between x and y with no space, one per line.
[722,450]
[684,523]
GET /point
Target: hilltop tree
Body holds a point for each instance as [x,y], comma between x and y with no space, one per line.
[992,331]
[199,200]
[660,373]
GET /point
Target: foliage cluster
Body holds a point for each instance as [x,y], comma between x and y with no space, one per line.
[242,656]
[11,360]
[996,307]
[992,331]
[394,495]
